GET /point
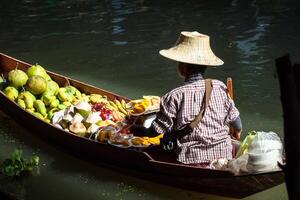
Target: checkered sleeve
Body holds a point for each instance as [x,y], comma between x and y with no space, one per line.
[230,109]
[164,120]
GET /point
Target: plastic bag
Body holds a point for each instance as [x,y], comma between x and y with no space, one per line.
[264,152]
[238,165]
[260,151]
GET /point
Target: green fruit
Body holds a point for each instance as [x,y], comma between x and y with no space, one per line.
[70,89]
[37,70]
[40,107]
[52,88]
[61,106]
[47,99]
[48,78]
[67,103]
[38,115]
[17,78]
[65,95]
[28,98]
[54,103]
[50,115]
[36,85]
[31,110]
[11,93]
[21,103]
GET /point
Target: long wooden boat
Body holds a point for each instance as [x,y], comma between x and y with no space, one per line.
[152,164]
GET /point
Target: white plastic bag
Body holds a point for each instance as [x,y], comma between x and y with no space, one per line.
[264,152]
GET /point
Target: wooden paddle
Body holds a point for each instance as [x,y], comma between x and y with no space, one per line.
[230,92]
[229,87]
[235,141]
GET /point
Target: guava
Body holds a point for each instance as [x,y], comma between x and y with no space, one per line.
[17,78]
[36,85]
[37,70]
[38,115]
[28,98]
[11,92]
[48,78]
[52,88]
[40,107]
[47,98]
[54,103]
[65,95]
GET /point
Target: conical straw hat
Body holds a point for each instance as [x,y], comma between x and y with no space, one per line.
[193,48]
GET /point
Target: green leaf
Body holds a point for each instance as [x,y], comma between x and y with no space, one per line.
[16,155]
[16,165]
[35,161]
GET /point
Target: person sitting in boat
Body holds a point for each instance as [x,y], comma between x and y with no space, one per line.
[210,139]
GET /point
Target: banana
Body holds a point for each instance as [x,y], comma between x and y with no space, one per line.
[110,107]
[113,105]
[123,104]
[121,114]
[119,105]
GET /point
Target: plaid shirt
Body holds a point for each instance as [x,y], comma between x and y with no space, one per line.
[210,140]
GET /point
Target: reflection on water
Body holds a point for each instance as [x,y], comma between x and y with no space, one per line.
[114,44]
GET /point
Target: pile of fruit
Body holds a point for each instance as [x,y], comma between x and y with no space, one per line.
[146,141]
[87,115]
[35,91]
[146,104]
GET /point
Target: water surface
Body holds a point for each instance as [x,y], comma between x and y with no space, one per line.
[114,45]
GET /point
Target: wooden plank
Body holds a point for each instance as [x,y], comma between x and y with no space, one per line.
[291,107]
[230,87]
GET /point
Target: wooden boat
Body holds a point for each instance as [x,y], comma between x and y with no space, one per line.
[151,164]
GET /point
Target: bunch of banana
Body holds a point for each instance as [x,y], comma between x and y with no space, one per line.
[118,106]
[97,98]
[146,141]
[139,106]
[153,140]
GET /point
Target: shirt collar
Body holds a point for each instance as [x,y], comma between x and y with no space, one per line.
[193,78]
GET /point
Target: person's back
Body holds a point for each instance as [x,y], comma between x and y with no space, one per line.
[210,139]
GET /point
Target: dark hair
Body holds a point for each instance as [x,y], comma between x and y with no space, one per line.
[195,69]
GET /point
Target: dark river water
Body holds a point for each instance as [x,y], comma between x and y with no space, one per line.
[114,45]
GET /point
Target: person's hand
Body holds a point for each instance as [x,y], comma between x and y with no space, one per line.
[236,134]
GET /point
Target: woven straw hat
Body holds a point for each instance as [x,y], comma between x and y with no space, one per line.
[193,48]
